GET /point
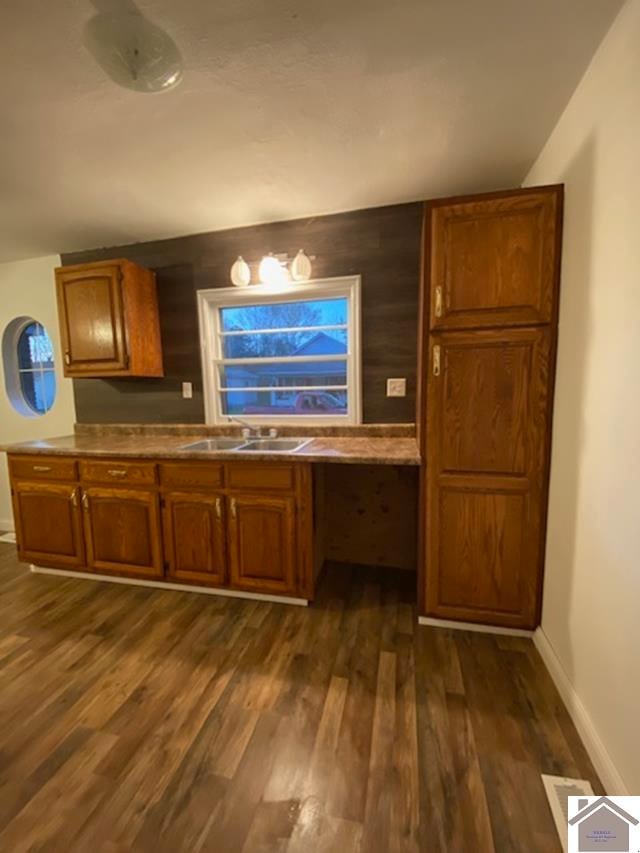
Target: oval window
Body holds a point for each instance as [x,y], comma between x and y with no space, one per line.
[30,377]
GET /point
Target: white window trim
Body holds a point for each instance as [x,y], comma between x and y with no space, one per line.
[209,304]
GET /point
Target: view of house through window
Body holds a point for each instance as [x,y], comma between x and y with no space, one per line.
[285,358]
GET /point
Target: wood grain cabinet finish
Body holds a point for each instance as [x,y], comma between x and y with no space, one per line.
[489,338]
[486,439]
[48,524]
[109,322]
[122,531]
[262,543]
[188,522]
[195,537]
[493,261]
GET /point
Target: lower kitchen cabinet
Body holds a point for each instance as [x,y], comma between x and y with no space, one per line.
[262,543]
[243,526]
[122,531]
[48,524]
[194,537]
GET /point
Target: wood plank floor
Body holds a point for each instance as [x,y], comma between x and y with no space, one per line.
[137,720]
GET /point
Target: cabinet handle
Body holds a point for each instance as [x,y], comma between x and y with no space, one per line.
[438,306]
[42,468]
[74,498]
[233,508]
[116,472]
[436,360]
[85,502]
[218,508]
[67,357]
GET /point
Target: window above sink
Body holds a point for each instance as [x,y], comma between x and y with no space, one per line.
[286,356]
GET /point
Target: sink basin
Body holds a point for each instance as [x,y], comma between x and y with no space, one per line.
[214,444]
[274,445]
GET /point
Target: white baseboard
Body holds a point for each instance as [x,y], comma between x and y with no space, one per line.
[175,587]
[7,525]
[606,769]
[473,626]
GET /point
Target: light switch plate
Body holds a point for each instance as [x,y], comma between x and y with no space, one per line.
[396,387]
[187,390]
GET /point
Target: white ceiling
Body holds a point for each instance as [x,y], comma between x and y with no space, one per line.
[287,109]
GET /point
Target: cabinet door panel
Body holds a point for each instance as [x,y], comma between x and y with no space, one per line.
[92,320]
[194,528]
[122,531]
[483,537]
[48,524]
[487,418]
[494,260]
[262,543]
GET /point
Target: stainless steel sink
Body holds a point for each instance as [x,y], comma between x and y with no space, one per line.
[214,444]
[274,445]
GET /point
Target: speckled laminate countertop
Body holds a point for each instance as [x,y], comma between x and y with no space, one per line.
[355,450]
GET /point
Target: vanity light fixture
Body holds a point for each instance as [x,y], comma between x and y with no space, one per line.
[275,270]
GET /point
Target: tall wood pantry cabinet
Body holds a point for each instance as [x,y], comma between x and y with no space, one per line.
[109,323]
[489,327]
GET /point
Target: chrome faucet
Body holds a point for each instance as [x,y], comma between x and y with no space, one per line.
[248,431]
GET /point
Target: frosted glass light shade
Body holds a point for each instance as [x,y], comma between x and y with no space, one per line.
[301,267]
[240,273]
[271,271]
[133,52]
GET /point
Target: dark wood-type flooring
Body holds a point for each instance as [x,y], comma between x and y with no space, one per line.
[137,720]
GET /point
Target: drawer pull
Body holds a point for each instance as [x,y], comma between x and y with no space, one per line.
[438,308]
[42,468]
[116,472]
[218,508]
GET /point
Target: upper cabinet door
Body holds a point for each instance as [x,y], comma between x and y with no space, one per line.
[92,322]
[494,260]
[109,320]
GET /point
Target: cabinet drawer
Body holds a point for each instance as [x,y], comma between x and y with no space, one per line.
[268,476]
[42,468]
[118,471]
[200,474]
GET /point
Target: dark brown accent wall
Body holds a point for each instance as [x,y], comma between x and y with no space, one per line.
[380,244]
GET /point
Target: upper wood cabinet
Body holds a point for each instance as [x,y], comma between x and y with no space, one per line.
[109,324]
[493,260]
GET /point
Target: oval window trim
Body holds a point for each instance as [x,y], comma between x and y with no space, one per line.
[14,375]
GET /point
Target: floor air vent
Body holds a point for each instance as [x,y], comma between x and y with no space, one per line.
[558,790]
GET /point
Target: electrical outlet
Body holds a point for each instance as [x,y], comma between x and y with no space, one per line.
[187,390]
[396,387]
